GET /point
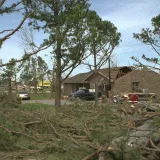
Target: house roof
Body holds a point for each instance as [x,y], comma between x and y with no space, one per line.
[82,77]
[136,74]
[113,72]
[79,78]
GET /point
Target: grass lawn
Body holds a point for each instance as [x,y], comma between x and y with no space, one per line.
[36,106]
[40,96]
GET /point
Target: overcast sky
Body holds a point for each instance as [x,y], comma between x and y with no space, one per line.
[129,16]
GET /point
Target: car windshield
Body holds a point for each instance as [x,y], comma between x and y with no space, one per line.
[24,92]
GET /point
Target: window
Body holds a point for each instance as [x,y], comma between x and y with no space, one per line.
[135,86]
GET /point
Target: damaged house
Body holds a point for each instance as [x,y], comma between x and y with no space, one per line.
[87,80]
[138,80]
[123,80]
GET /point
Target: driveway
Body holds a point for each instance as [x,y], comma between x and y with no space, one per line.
[47,101]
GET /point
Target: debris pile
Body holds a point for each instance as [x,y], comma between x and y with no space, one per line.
[79,131]
[5,100]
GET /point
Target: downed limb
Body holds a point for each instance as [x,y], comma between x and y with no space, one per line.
[20,154]
[149,115]
[19,133]
[93,154]
[102,149]
[153,145]
[26,124]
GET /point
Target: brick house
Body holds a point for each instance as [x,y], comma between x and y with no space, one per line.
[87,80]
[136,80]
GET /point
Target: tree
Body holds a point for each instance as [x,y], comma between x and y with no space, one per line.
[10,73]
[42,70]
[64,21]
[5,34]
[33,70]
[30,66]
[102,40]
[151,38]
[14,7]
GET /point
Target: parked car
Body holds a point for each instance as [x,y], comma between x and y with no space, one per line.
[83,94]
[23,95]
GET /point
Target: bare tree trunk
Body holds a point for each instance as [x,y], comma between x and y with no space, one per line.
[16,83]
[58,57]
[96,89]
[42,84]
[58,71]
[29,88]
[9,85]
[53,82]
[95,74]
[52,90]
[58,83]
[109,66]
[35,86]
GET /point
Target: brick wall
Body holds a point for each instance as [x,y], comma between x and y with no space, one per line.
[147,80]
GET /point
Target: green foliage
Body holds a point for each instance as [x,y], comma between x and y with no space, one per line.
[151,37]
[102,38]
[81,119]
[101,33]
[64,21]
[7,102]
[7,141]
[34,106]
[156,120]
[33,68]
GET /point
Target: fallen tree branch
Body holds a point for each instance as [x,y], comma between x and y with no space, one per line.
[149,115]
[27,124]
[151,149]
[20,154]
[91,145]
[19,133]
[153,145]
[104,148]
[93,154]
[74,140]
[150,153]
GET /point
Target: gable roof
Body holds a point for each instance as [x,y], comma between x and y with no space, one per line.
[79,78]
[82,77]
[136,75]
